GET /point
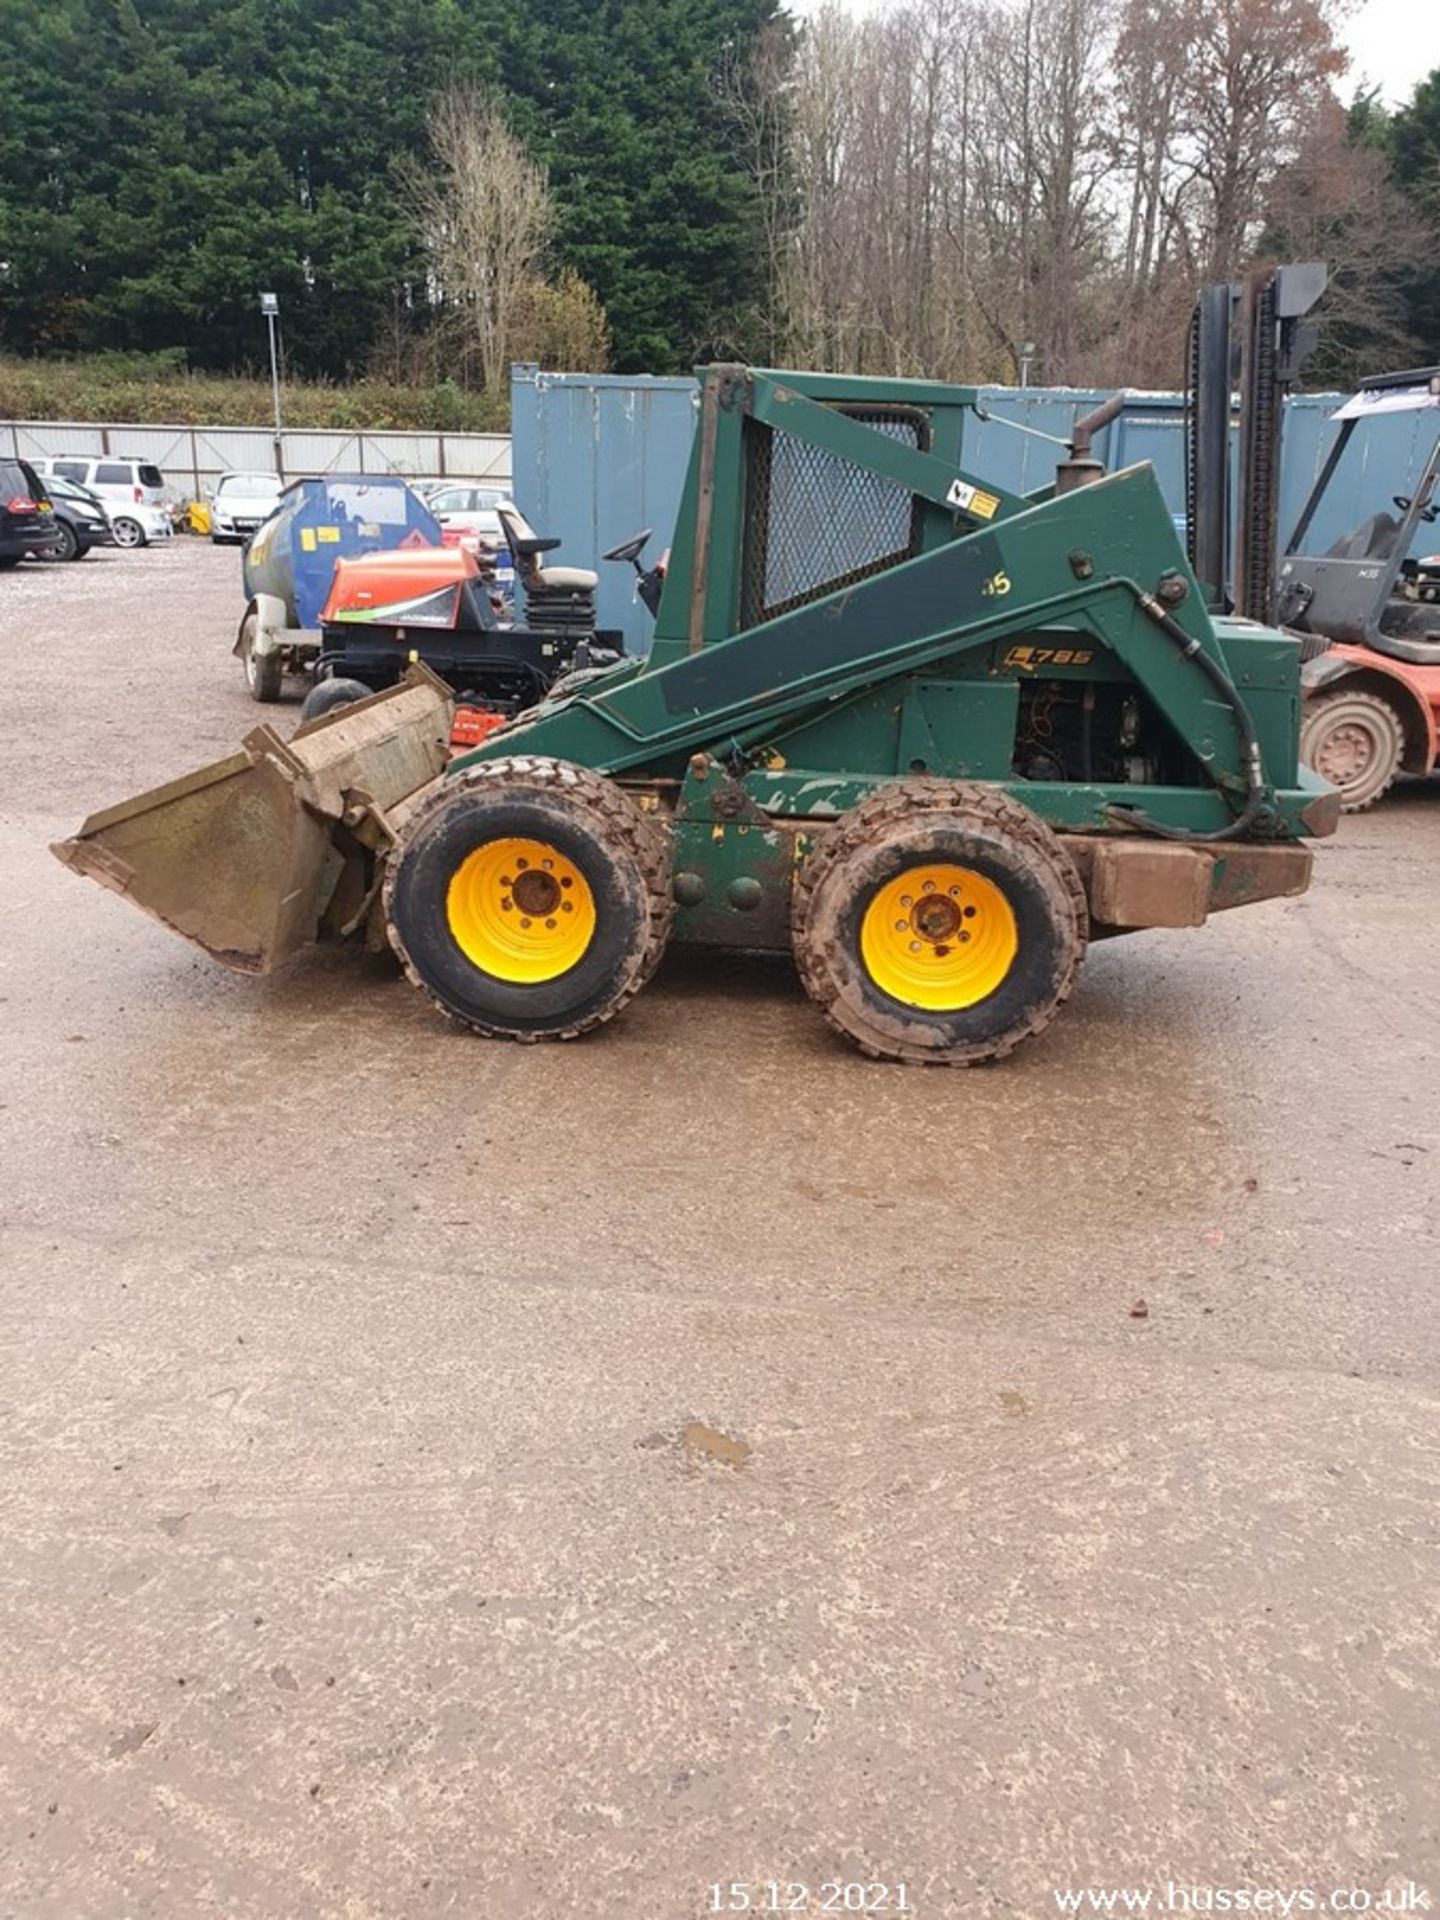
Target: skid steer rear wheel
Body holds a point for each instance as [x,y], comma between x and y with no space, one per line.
[939,923]
[530,898]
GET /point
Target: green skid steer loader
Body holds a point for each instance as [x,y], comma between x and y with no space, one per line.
[928,735]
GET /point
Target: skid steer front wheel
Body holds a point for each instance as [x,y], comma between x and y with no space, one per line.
[939,923]
[530,898]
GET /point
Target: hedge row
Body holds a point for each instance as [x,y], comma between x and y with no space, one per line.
[144,388]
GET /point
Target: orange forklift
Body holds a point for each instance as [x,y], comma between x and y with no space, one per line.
[1372,699]
[1359,579]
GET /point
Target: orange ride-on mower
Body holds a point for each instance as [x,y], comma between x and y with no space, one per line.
[386,610]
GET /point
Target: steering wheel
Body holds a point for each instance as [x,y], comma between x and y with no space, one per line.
[630,549]
[1427,514]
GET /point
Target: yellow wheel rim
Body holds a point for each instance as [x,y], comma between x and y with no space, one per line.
[939,937]
[520,911]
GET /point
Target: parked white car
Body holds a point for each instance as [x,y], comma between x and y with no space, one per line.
[133,492]
[241,503]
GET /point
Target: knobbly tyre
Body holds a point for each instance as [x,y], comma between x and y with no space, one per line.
[927,734]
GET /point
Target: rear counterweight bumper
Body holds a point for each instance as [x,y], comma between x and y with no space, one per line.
[1133,882]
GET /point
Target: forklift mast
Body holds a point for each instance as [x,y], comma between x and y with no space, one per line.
[1249,339]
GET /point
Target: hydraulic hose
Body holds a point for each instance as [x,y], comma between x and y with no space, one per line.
[1256,805]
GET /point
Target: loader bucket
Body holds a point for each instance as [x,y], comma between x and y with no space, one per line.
[246,857]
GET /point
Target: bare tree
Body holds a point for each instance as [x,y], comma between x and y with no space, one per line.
[819,296]
[950,179]
[1256,72]
[1042,170]
[754,91]
[483,208]
[1335,202]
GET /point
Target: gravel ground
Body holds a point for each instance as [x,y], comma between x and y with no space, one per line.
[439,1478]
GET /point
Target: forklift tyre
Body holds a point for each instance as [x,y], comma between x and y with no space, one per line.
[326,695]
[529,898]
[264,672]
[939,923]
[1354,740]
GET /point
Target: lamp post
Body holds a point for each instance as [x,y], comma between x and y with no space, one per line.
[270,307]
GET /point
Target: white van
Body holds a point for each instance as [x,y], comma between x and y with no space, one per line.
[133,492]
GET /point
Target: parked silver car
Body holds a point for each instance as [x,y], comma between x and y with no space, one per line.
[468,514]
[133,492]
[240,504]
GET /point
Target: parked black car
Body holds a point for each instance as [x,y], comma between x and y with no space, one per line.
[26,522]
[81,521]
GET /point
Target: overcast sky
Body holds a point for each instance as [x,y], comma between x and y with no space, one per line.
[1392,43]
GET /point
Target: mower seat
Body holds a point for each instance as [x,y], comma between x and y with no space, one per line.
[527,546]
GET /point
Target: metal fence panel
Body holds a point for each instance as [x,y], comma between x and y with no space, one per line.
[231,450]
[168,447]
[32,439]
[403,453]
[475,456]
[314,451]
[193,458]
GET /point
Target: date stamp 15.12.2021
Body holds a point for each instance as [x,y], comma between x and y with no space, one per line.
[799,1896]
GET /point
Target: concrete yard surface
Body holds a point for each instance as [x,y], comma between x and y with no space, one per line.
[448,1478]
